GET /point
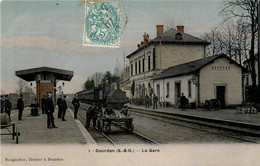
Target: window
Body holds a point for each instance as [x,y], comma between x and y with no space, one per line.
[158,91]
[149,63]
[143,65]
[139,65]
[189,88]
[168,90]
[132,69]
[135,67]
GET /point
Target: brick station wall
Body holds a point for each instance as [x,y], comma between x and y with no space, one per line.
[43,88]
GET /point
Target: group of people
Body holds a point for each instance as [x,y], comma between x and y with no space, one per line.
[6,106]
[95,111]
[148,101]
[183,101]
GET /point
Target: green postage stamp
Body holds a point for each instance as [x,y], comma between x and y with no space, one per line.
[102,24]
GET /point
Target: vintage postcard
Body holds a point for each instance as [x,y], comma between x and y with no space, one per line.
[127,82]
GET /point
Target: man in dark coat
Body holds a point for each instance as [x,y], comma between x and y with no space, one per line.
[125,111]
[43,104]
[8,106]
[147,101]
[59,103]
[20,107]
[183,102]
[63,108]
[155,100]
[109,112]
[94,112]
[88,117]
[49,111]
[76,105]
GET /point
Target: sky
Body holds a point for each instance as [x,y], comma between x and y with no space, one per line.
[42,33]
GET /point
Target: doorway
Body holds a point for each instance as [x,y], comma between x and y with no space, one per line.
[221,95]
[177,91]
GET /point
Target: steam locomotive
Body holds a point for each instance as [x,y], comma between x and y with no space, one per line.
[104,96]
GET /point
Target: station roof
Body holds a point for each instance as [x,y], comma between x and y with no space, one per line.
[29,74]
[169,37]
[192,67]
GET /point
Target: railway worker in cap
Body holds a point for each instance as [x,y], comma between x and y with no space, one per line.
[20,107]
[88,116]
[43,104]
[108,113]
[125,111]
[147,101]
[49,111]
[155,100]
[8,106]
[76,105]
[95,112]
[63,108]
[183,100]
[59,103]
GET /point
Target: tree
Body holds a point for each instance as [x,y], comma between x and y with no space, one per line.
[21,85]
[89,84]
[109,77]
[97,77]
[246,9]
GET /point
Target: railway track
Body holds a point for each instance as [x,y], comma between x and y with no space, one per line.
[118,135]
[242,134]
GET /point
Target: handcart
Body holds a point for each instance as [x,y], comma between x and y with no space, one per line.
[6,124]
[126,122]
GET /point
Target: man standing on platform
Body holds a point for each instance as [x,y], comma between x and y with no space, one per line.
[8,106]
[155,100]
[183,100]
[49,111]
[59,103]
[43,104]
[147,101]
[20,107]
[63,108]
[76,105]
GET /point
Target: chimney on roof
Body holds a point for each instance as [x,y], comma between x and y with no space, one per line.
[180,28]
[159,29]
[146,38]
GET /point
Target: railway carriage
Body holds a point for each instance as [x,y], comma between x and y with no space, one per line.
[104,96]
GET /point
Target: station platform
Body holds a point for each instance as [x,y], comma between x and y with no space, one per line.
[33,130]
[222,114]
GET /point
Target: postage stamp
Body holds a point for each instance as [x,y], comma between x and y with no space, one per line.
[102,24]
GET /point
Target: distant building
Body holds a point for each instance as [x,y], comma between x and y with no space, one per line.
[152,57]
[216,77]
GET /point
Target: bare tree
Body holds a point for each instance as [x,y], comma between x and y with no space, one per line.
[230,38]
[246,9]
[118,71]
[21,85]
[97,77]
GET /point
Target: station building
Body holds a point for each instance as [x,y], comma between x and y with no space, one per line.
[216,77]
[152,57]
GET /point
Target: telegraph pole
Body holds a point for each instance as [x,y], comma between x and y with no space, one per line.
[258,22]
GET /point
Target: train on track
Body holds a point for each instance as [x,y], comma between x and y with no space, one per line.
[104,96]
